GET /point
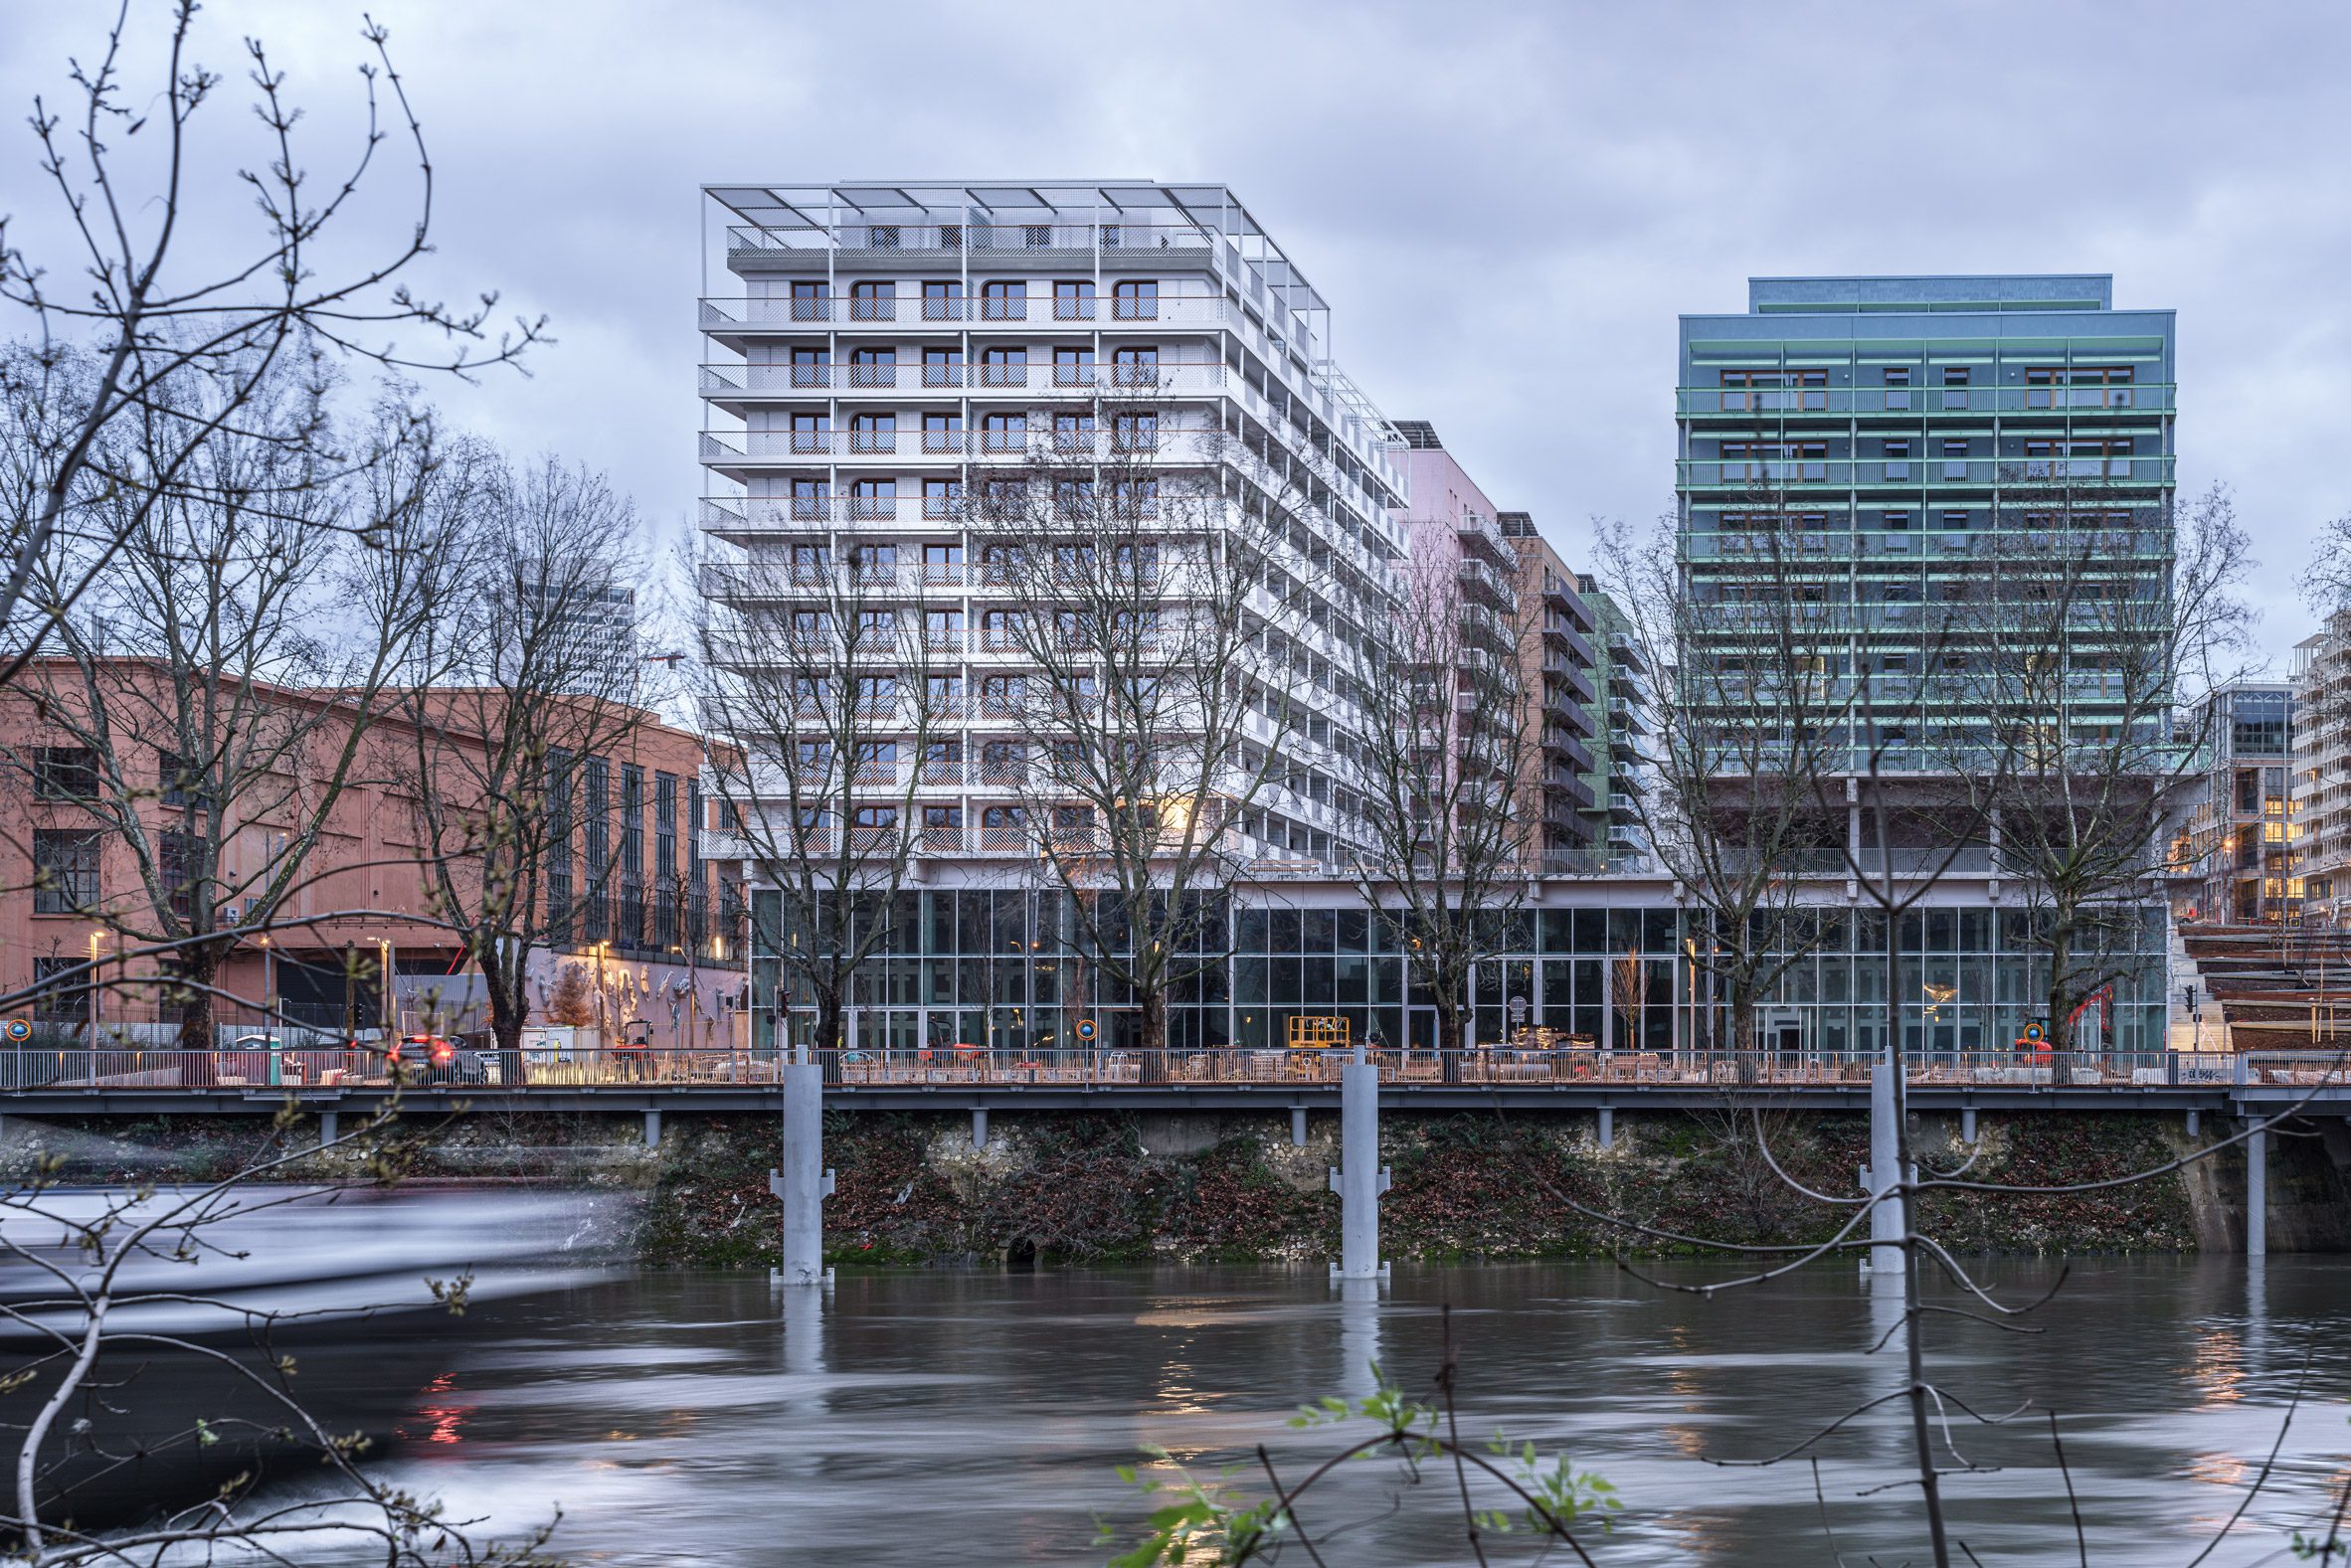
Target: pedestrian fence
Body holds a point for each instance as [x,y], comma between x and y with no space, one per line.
[292,1060]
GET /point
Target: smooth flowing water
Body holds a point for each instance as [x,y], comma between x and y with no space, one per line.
[977,1418]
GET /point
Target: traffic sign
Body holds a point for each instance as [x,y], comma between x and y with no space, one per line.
[17,1030]
[1085,1030]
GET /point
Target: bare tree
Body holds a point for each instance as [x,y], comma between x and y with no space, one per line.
[827,727]
[136,319]
[1442,758]
[218,673]
[1139,589]
[527,682]
[1746,711]
[2091,629]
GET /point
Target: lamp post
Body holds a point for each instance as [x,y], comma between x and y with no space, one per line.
[95,990]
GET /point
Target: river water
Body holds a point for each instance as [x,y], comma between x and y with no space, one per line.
[976,1418]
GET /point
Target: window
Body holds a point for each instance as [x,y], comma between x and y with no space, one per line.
[64,870]
[873,433]
[873,828]
[631,918]
[812,301]
[942,764]
[1074,301]
[1074,367]
[664,860]
[1074,430]
[877,762]
[943,828]
[1136,367]
[943,629]
[65,772]
[943,432]
[811,433]
[874,565]
[180,866]
[875,693]
[1135,431]
[943,500]
[943,300]
[873,301]
[57,999]
[1003,761]
[943,367]
[1137,299]
[1004,366]
[809,564]
[1955,460]
[1954,519]
[599,845]
[873,367]
[873,499]
[812,499]
[944,695]
[1003,432]
[1003,301]
[811,367]
[999,828]
[999,629]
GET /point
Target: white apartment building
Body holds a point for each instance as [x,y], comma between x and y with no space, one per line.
[874,350]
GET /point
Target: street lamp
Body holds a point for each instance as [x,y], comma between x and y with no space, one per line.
[95,937]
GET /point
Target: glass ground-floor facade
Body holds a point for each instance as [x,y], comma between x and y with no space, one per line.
[994,968]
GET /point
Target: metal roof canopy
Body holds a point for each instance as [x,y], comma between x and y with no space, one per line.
[1213,207]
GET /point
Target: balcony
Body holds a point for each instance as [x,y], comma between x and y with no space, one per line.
[1482,581]
[727,315]
[1748,474]
[1842,401]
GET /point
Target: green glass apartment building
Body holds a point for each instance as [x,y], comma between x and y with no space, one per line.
[1896,425]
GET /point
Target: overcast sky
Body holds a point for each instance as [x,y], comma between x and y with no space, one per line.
[1506,205]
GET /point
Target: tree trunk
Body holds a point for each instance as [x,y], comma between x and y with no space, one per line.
[2061,998]
[1151,1016]
[1452,1048]
[1743,1029]
[198,1042]
[506,1025]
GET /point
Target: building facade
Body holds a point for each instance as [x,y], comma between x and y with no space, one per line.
[651,916]
[1890,438]
[2321,769]
[879,355]
[2242,843]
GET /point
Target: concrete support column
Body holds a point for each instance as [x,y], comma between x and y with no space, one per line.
[979,1127]
[1966,1125]
[802,1183]
[653,1127]
[2195,1123]
[327,1131]
[2256,1193]
[1358,1179]
[1608,1127]
[1298,1126]
[1881,1177]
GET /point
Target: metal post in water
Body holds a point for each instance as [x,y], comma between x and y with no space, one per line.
[2256,1193]
[803,1183]
[1358,1179]
[1883,1172]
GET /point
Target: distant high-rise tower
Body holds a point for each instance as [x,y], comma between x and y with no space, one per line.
[1893,431]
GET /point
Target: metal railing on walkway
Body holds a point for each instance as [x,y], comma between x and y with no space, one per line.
[366,1066]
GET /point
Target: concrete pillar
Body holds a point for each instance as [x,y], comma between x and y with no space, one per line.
[802,1183]
[326,1127]
[1966,1124]
[653,1127]
[2195,1123]
[1608,1126]
[1881,1174]
[1358,1337]
[1358,1179]
[2256,1193]
[1298,1126]
[979,1127]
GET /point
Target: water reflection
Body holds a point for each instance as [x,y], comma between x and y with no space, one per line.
[927,1417]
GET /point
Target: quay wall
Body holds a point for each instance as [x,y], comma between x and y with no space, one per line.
[1064,1188]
